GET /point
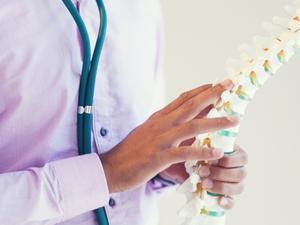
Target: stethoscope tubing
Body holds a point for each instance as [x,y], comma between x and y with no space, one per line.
[87,85]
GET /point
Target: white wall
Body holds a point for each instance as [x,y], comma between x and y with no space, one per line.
[200,36]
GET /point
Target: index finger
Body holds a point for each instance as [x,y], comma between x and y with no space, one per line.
[191,108]
[183,98]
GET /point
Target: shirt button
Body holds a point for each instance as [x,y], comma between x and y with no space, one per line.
[112,202]
[103,132]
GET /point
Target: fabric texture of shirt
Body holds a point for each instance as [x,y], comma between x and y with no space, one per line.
[42,178]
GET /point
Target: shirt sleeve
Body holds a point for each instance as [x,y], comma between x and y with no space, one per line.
[56,192]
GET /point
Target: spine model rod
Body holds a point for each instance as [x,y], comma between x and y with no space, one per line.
[257,63]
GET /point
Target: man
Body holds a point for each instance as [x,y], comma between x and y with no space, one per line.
[43,180]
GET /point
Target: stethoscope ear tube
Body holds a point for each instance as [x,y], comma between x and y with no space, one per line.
[90,88]
[87,85]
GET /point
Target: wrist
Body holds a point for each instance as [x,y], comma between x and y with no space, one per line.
[109,172]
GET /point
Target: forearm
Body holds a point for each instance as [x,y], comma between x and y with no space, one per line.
[53,193]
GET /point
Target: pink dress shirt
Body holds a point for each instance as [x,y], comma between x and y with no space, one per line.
[42,178]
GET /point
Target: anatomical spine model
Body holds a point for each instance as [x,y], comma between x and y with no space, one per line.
[256,65]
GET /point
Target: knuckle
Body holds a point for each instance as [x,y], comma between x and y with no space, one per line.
[220,122]
[216,172]
[163,141]
[223,88]
[151,125]
[161,158]
[214,91]
[226,161]
[178,154]
[244,158]
[223,189]
[219,89]
[241,174]
[155,115]
[184,95]
[174,122]
[190,103]
[207,152]
[183,155]
[192,126]
[230,203]
[238,148]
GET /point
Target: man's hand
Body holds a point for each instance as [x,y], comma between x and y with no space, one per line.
[224,177]
[155,145]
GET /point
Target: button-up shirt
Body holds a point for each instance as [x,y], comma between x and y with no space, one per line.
[43,180]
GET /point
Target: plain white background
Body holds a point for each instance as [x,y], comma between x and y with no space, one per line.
[200,36]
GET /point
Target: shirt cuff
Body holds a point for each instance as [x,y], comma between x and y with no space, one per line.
[82,182]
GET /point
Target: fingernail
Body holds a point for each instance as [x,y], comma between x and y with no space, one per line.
[204,171]
[207,184]
[234,119]
[217,152]
[227,84]
[224,202]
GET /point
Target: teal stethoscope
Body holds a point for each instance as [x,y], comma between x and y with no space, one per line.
[87,85]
